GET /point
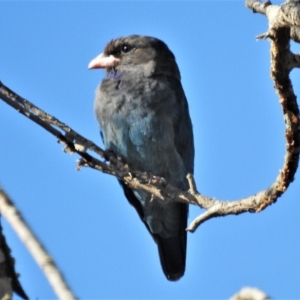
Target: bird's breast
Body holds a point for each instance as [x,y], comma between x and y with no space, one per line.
[136,116]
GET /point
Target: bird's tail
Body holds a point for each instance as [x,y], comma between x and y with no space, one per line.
[172,253]
[172,257]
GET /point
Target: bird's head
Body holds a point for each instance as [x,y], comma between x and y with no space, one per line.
[137,53]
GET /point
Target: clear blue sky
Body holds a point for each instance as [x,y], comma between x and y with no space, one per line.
[83,219]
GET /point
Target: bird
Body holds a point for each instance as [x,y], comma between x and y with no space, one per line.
[144,118]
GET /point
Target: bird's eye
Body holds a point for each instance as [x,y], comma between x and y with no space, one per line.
[125,48]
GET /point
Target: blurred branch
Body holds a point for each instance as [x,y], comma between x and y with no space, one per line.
[250,293]
[282,62]
[285,15]
[38,252]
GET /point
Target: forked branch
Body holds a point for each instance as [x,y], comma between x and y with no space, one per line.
[283,26]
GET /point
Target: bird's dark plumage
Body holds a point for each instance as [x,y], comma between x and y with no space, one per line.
[144,118]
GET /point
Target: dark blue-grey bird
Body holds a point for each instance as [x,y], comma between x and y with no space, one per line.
[144,118]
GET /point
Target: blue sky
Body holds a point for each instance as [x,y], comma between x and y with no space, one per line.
[83,219]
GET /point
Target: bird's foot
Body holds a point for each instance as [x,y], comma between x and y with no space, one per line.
[116,160]
[158,181]
[109,154]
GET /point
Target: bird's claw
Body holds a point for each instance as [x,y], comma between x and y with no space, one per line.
[156,180]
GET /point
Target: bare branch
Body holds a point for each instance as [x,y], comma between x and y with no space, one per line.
[38,252]
[281,20]
[257,6]
[285,15]
[250,293]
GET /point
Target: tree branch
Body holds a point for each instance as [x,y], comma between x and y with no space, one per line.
[250,293]
[281,20]
[38,252]
[285,15]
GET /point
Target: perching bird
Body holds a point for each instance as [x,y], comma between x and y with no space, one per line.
[144,118]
